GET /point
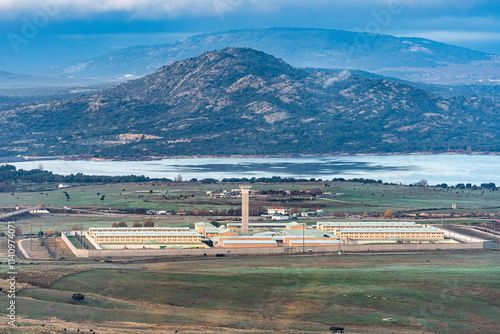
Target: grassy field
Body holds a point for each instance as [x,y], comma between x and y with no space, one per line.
[441,293]
[62,223]
[359,198]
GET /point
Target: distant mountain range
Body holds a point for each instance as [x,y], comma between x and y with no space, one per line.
[16,88]
[9,80]
[413,59]
[239,101]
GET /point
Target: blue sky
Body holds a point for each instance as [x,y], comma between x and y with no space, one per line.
[41,33]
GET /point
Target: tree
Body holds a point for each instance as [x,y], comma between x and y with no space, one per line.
[78,297]
[41,205]
[49,233]
[388,214]
[114,225]
[18,231]
[136,224]
[178,178]
[122,224]
[149,222]
[216,224]
[422,183]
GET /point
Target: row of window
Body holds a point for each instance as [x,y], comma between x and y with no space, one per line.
[100,239]
[398,234]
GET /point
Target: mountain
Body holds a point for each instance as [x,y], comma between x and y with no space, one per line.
[246,102]
[16,89]
[414,59]
[9,80]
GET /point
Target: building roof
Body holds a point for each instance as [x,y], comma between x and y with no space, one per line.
[368,223]
[216,230]
[391,230]
[204,224]
[129,229]
[323,241]
[249,242]
[295,224]
[270,223]
[242,237]
[307,233]
[259,224]
[147,234]
[264,234]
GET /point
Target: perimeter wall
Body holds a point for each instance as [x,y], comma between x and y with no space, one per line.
[270,251]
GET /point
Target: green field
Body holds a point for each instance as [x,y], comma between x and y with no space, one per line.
[442,293]
[359,198]
[63,223]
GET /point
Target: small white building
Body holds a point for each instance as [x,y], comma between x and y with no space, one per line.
[276,210]
[279,217]
[39,211]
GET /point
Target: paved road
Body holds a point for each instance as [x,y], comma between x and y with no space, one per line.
[5,216]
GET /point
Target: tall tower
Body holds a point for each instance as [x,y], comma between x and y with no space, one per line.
[245,189]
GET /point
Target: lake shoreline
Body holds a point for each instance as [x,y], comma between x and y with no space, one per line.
[405,169]
[6,160]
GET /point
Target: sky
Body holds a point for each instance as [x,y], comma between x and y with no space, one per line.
[37,34]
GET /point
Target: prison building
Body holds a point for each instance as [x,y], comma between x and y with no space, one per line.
[311,242]
[331,226]
[272,225]
[427,233]
[247,242]
[160,237]
[201,226]
[210,231]
[219,232]
[93,230]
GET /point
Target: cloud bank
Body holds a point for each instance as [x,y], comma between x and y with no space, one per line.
[143,9]
[157,9]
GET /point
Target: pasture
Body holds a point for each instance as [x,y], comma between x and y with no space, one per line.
[372,198]
[422,292]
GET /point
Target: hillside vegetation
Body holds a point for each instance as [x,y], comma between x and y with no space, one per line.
[245,102]
[410,58]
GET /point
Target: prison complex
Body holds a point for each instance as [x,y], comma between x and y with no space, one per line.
[408,231]
[262,235]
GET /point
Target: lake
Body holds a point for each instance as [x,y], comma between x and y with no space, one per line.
[406,169]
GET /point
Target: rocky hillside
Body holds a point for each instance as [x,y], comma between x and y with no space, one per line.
[414,59]
[243,101]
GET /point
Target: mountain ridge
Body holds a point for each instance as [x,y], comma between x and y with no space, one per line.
[239,101]
[409,58]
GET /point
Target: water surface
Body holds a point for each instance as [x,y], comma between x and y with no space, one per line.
[406,169]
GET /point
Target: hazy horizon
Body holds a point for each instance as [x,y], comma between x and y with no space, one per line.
[41,34]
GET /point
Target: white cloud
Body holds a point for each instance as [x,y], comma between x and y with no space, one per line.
[143,9]
[154,9]
[454,36]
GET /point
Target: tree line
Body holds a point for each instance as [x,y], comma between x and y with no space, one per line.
[9,174]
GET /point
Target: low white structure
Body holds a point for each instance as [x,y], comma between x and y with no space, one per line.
[38,211]
[276,210]
[279,217]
